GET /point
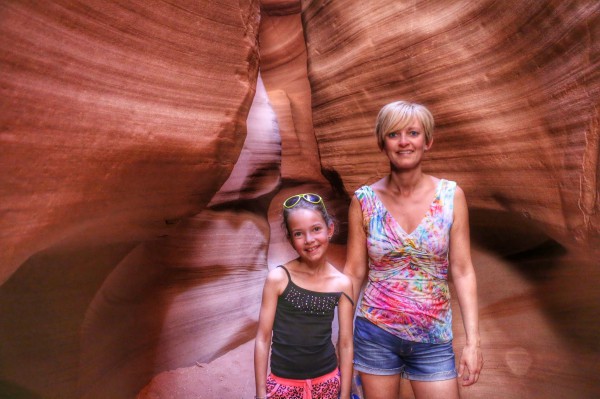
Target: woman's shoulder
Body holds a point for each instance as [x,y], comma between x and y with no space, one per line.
[379,185]
[440,180]
[367,193]
[362,191]
[443,185]
[449,187]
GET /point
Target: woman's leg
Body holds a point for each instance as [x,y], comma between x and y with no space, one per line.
[447,389]
[380,386]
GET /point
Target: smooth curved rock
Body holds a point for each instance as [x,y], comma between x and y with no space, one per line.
[280,7]
[102,104]
[510,84]
[186,299]
[194,295]
[515,96]
[256,172]
[283,66]
[118,124]
[42,308]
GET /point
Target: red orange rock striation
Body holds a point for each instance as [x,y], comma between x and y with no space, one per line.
[505,81]
[103,103]
[119,123]
[515,91]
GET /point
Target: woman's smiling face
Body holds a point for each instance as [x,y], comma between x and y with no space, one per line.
[405,146]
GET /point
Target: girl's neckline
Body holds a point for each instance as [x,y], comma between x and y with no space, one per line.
[290,281]
[425,216]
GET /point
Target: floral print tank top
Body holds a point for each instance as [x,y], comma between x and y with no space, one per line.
[407,290]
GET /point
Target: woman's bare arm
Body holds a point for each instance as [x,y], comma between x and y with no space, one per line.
[356,258]
[465,283]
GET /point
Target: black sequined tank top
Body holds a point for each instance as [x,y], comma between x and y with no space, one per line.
[301,347]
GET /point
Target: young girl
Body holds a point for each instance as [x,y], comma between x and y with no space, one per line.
[297,311]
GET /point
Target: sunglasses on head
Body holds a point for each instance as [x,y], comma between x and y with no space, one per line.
[309,197]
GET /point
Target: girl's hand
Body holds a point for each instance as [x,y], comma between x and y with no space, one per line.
[471,363]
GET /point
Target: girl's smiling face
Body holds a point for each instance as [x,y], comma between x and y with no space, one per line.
[309,234]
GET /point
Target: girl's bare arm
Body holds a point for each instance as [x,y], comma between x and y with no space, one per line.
[271,291]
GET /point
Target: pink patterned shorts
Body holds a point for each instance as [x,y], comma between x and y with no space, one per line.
[325,387]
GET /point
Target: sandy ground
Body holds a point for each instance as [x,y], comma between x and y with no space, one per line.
[230,376]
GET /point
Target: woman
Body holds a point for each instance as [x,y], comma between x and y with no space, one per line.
[415,227]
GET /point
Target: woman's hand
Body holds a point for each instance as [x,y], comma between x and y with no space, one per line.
[471,363]
[465,283]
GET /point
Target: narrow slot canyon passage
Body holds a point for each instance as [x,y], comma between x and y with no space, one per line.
[147,148]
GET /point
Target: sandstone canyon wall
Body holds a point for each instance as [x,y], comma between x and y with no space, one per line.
[515,90]
[146,147]
[120,122]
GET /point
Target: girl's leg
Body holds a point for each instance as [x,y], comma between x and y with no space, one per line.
[327,386]
[435,389]
[380,386]
[281,388]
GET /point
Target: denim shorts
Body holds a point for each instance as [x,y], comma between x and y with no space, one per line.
[379,352]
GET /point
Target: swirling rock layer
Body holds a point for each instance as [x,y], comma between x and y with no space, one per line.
[514,87]
[103,103]
[119,124]
[504,81]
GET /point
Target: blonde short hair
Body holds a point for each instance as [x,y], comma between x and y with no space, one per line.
[399,114]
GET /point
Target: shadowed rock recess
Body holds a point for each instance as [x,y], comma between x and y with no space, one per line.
[146,147]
